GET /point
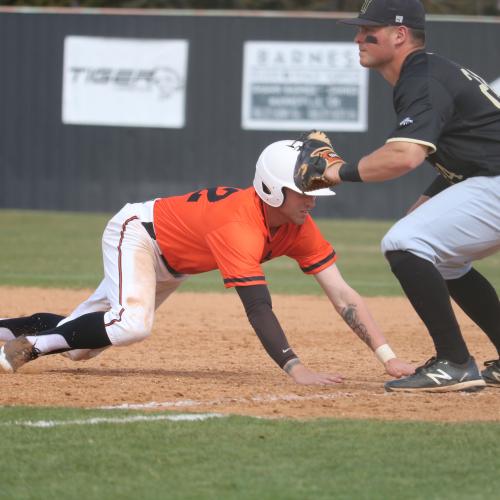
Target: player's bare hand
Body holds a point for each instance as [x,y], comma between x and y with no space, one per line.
[398,368]
[302,375]
[332,173]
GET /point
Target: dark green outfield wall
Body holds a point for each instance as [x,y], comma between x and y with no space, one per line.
[47,164]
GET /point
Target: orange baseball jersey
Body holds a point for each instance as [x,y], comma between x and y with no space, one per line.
[225,228]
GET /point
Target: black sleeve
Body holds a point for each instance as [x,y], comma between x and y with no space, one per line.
[422,107]
[31,325]
[258,306]
[438,184]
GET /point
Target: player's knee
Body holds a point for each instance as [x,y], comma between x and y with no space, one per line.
[134,327]
[139,333]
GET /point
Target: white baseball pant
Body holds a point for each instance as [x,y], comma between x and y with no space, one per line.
[453,228]
[136,281]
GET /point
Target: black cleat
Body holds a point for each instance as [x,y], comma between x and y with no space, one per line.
[440,375]
[491,375]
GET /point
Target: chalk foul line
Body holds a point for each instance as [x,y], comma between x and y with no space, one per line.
[271,398]
[183,403]
[112,420]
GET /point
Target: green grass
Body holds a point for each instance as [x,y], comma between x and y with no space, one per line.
[52,249]
[236,457]
[245,458]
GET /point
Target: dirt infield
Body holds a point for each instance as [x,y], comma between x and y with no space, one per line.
[203,356]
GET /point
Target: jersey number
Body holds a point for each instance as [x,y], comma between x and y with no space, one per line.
[212,194]
[484,87]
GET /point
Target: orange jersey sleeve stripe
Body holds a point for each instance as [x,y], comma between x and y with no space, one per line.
[250,280]
[314,268]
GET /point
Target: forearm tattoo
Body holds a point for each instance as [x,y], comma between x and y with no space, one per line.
[350,316]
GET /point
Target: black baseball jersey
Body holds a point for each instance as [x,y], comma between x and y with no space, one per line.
[452,111]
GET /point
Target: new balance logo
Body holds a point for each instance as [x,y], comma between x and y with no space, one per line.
[439,374]
[496,376]
[407,121]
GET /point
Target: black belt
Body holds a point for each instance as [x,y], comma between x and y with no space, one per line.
[149,227]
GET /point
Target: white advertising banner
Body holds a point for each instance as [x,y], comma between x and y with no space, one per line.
[303,86]
[124,82]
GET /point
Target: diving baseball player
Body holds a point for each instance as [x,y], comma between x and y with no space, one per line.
[150,248]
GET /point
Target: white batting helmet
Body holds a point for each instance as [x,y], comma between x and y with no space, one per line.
[274,171]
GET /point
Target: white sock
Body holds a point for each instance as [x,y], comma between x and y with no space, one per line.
[6,334]
[48,343]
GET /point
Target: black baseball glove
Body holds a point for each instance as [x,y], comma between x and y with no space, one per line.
[315,156]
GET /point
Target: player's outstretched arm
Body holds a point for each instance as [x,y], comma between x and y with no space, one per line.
[319,166]
[390,161]
[257,302]
[354,311]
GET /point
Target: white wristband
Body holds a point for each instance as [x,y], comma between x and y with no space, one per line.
[384,353]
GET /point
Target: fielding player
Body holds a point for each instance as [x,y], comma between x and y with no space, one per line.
[150,248]
[448,115]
